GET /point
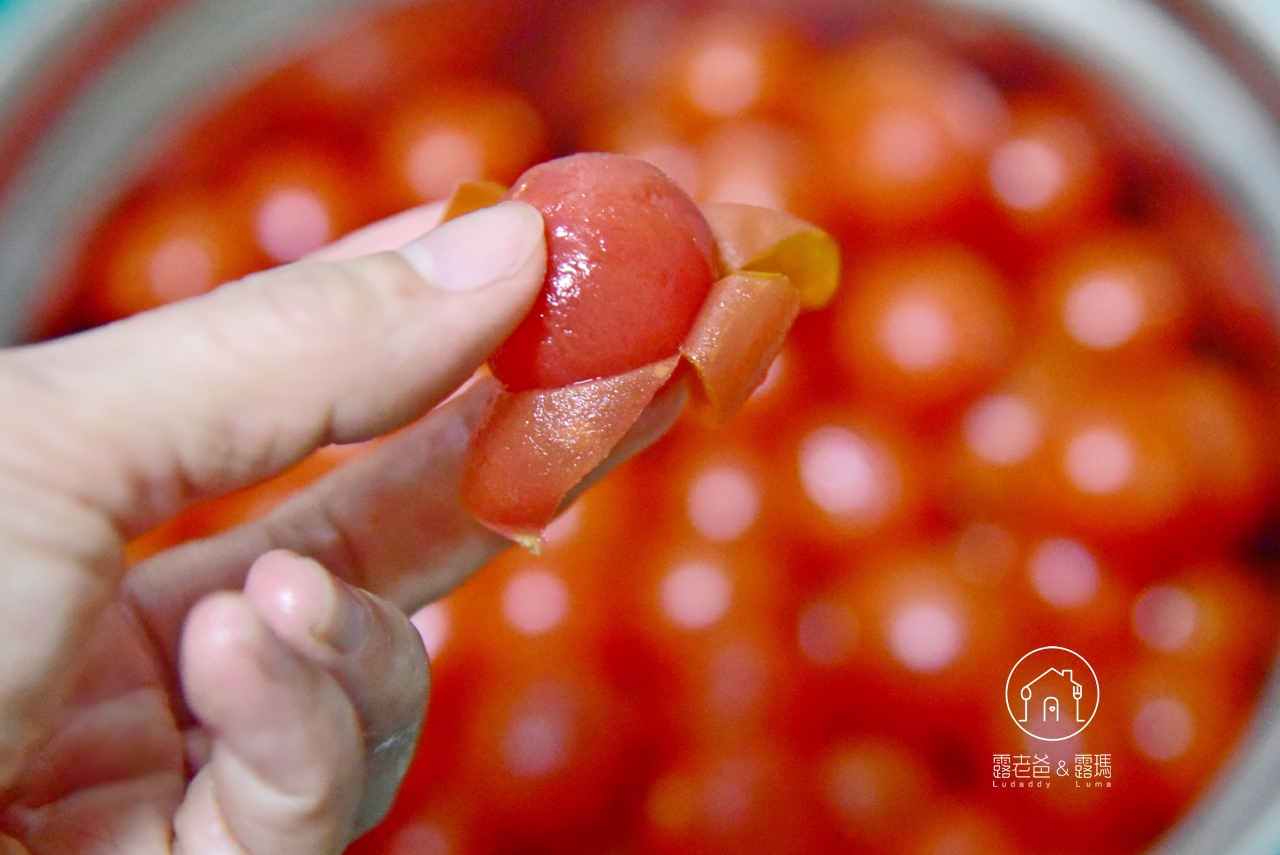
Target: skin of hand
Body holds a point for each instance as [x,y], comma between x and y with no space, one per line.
[259,691]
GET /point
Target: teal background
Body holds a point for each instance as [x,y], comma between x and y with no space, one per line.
[7,7]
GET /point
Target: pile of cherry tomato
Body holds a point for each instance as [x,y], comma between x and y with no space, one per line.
[1040,412]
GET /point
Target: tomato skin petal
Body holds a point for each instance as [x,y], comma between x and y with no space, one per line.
[736,336]
[762,240]
[630,260]
[534,446]
[471,196]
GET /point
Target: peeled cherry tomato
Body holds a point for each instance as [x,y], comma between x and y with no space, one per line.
[855,480]
[731,65]
[458,131]
[961,829]
[744,798]
[165,247]
[994,457]
[1073,592]
[435,824]
[295,200]
[873,788]
[1220,424]
[1227,264]
[1118,296]
[905,130]
[925,327]
[787,635]
[1050,173]
[547,747]
[1179,722]
[1113,467]
[1210,614]
[624,280]
[924,630]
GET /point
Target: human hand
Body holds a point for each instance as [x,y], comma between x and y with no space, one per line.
[231,695]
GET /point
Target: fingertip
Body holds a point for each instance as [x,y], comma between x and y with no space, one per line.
[501,244]
[220,622]
[289,590]
[308,608]
[384,235]
[226,649]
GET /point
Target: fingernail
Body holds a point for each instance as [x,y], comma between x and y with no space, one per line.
[477,249]
[350,622]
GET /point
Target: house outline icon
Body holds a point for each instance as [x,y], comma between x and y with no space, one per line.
[1050,703]
[1041,704]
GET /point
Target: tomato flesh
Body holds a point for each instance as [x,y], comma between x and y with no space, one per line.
[630,260]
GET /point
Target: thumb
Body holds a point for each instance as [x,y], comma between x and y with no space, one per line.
[107,433]
[207,395]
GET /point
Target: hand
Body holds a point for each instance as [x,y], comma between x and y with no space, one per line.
[259,691]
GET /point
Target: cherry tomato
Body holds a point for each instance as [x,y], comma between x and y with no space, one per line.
[854,481]
[1220,422]
[1050,174]
[925,327]
[758,164]
[744,798]
[597,315]
[1037,415]
[1212,615]
[873,788]
[1116,297]
[458,131]
[994,457]
[1113,466]
[1179,721]
[294,200]
[905,130]
[961,829]
[730,65]
[165,246]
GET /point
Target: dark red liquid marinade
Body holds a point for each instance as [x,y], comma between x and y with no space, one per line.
[1036,414]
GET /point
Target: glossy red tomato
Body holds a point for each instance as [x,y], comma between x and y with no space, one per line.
[1211,614]
[630,260]
[1051,173]
[872,789]
[925,327]
[1116,297]
[905,130]
[460,130]
[731,65]
[1179,722]
[853,480]
[747,798]
[163,246]
[293,199]
[1113,469]
[1220,421]
[1038,414]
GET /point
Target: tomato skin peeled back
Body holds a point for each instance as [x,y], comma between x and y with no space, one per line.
[630,260]
[534,446]
[631,267]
